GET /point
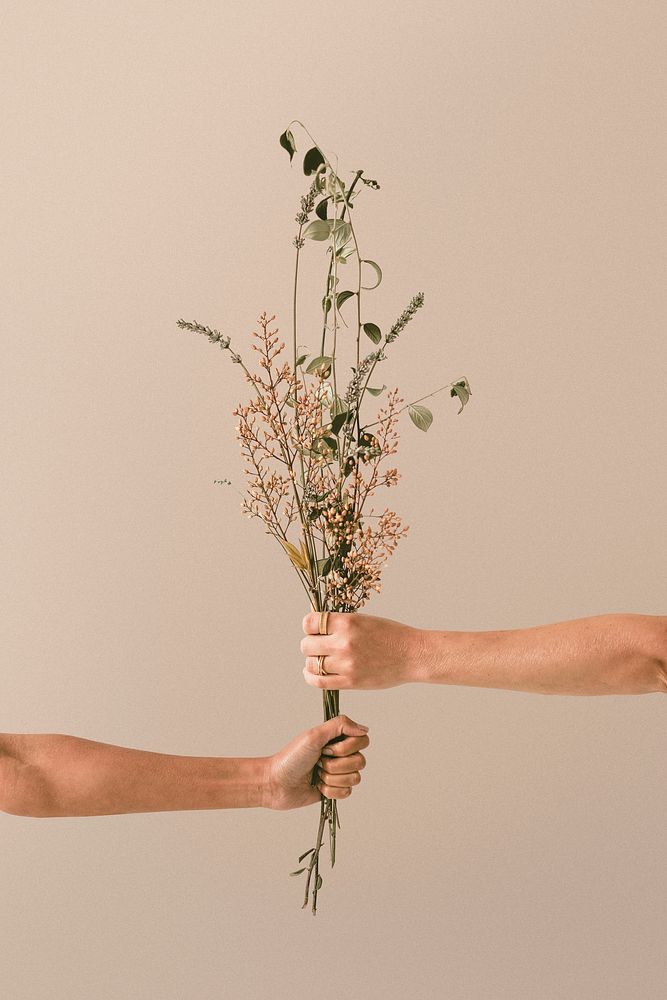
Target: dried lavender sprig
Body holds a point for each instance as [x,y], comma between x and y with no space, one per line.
[407,314]
[355,388]
[213,335]
[308,202]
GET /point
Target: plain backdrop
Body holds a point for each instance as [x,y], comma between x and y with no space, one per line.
[502,846]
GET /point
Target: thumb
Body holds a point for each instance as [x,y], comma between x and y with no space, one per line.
[341,725]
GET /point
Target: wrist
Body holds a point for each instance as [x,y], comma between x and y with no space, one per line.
[424,658]
[255,782]
[443,656]
[409,654]
[269,790]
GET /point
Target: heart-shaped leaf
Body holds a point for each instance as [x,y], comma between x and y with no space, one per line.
[421,416]
[287,142]
[343,297]
[312,160]
[322,361]
[376,392]
[373,331]
[339,420]
[318,229]
[321,207]
[462,390]
[324,566]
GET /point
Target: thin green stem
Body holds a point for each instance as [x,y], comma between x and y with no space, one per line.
[414,401]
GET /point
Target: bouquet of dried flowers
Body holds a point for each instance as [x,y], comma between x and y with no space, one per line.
[313,459]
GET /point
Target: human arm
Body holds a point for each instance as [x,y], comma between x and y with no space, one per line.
[52,774]
[601,654]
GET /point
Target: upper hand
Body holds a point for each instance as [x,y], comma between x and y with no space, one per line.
[361,651]
[338,765]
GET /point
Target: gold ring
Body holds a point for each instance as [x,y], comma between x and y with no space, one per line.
[320,665]
[324,616]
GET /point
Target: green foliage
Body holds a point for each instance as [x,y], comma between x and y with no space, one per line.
[343,297]
[373,331]
[312,161]
[421,416]
[287,142]
[376,268]
[462,390]
[324,566]
[340,419]
[322,362]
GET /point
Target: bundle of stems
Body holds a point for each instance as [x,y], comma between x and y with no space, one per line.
[312,461]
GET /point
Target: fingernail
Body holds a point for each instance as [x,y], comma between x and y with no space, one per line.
[327,752]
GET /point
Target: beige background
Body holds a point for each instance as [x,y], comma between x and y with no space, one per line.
[502,845]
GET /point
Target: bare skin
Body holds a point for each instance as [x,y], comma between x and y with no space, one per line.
[50,774]
[602,654]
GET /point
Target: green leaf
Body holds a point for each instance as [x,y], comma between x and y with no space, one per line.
[325,391]
[305,854]
[376,392]
[326,304]
[287,142]
[298,871]
[343,297]
[462,390]
[321,361]
[421,416]
[312,161]
[339,420]
[342,255]
[300,360]
[318,884]
[330,442]
[373,331]
[323,569]
[343,232]
[376,268]
[338,406]
[321,207]
[319,229]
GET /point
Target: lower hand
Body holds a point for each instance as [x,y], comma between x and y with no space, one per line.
[338,765]
[361,651]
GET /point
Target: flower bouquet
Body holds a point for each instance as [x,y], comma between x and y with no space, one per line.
[314,457]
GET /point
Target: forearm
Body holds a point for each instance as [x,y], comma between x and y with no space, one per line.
[602,654]
[59,775]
